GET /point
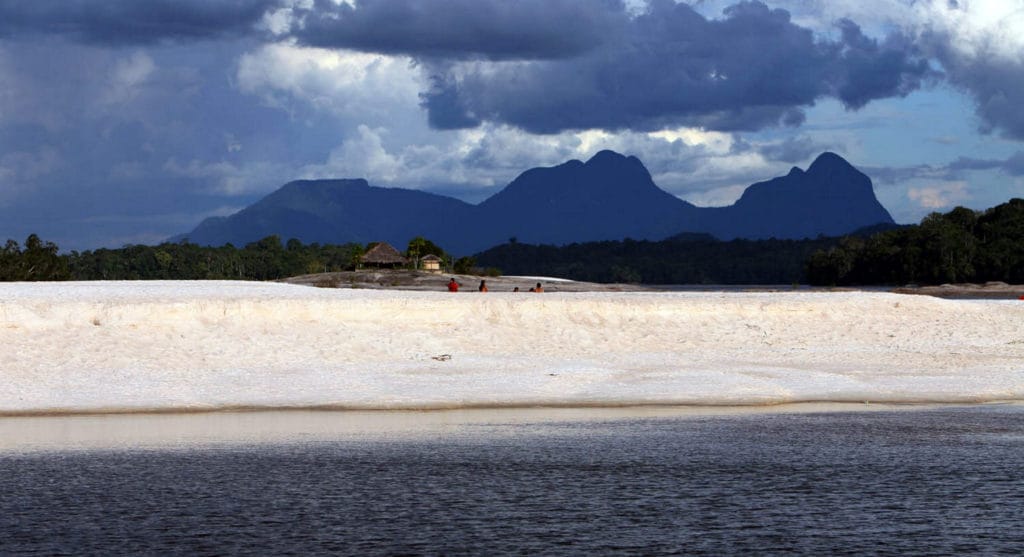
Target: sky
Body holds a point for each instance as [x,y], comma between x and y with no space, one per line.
[130,121]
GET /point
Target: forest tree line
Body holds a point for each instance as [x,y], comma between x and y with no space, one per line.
[959,246]
[267,259]
[684,259]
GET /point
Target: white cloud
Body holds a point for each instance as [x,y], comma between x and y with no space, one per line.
[284,19]
[939,196]
[128,76]
[231,143]
[342,83]
[487,156]
[718,197]
[701,167]
[981,28]
[469,157]
[875,16]
[360,157]
[225,178]
[718,142]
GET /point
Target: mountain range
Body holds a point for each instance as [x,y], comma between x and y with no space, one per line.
[609,197]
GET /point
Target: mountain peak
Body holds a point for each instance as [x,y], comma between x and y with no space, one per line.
[610,159]
[831,197]
[605,164]
[829,161]
[322,187]
[611,196]
[606,175]
[607,156]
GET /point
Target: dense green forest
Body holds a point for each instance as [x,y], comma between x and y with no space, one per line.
[698,259]
[684,259]
[959,246]
[266,259]
[38,260]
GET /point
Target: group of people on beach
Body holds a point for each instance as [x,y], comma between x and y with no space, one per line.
[453,286]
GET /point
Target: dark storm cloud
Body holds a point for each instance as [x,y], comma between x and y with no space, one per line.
[124,22]
[83,168]
[446,109]
[955,170]
[793,150]
[494,29]
[868,70]
[995,82]
[1013,166]
[967,163]
[671,66]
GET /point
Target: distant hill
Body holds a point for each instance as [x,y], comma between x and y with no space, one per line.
[337,212]
[609,197]
[831,198]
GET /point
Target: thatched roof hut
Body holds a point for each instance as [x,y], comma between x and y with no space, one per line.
[383,254]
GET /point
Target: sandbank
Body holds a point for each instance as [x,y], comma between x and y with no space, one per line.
[110,347]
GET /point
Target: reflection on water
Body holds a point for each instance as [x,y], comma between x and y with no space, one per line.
[930,481]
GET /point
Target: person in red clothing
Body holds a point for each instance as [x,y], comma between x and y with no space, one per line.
[483,286]
[453,286]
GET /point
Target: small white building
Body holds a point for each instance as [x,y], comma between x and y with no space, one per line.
[430,263]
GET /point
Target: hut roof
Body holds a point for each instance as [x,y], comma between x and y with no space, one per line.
[430,257]
[385,254]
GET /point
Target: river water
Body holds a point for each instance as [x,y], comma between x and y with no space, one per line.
[946,480]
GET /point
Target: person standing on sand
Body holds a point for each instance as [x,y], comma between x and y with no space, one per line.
[483,286]
[537,288]
[453,286]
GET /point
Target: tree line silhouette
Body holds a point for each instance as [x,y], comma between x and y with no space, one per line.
[959,246]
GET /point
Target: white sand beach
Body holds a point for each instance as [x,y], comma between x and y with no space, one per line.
[194,346]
